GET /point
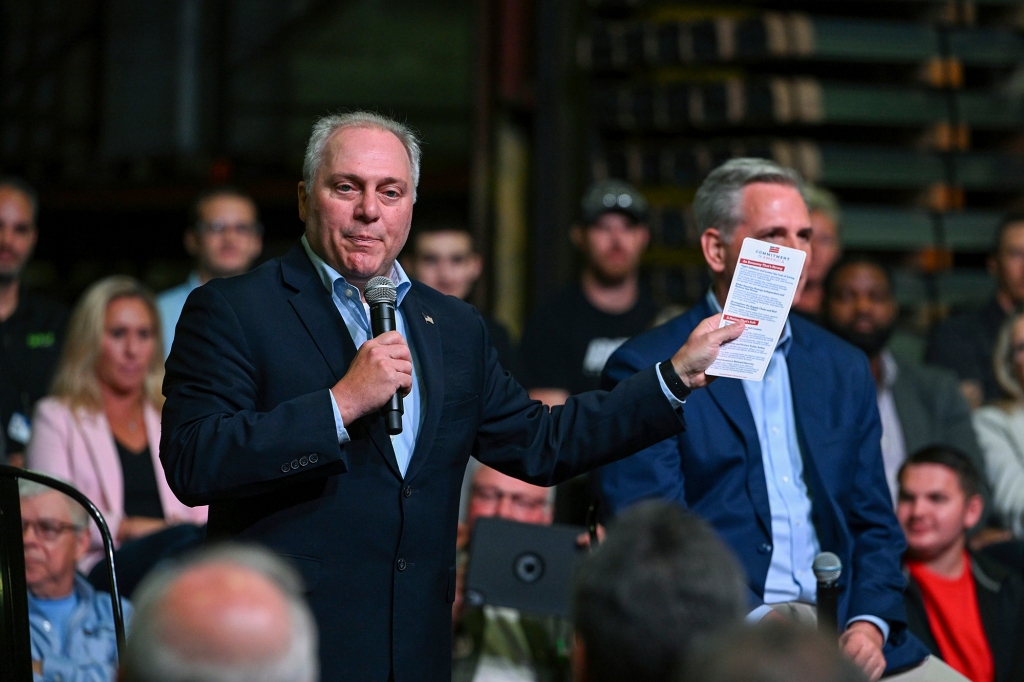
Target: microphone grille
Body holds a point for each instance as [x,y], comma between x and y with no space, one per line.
[827,567]
[380,290]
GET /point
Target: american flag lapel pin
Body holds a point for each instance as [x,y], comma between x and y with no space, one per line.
[428,319]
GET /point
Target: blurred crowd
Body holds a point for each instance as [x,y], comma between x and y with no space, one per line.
[665,597]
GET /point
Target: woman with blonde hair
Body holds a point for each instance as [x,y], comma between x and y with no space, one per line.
[100,426]
[1000,427]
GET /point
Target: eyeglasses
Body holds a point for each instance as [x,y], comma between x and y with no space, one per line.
[221,227]
[522,502]
[47,529]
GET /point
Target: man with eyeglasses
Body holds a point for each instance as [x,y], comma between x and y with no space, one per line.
[501,644]
[225,239]
[71,624]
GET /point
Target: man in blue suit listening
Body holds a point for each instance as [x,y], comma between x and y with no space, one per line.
[788,466]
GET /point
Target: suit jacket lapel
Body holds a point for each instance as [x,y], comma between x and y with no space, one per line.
[315,307]
[99,440]
[425,340]
[730,397]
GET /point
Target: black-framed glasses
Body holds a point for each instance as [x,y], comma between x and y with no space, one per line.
[47,529]
[222,227]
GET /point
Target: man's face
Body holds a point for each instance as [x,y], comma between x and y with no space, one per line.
[861,308]
[445,261]
[824,246]
[933,510]
[613,246]
[17,233]
[52,546]
[359,209]
[771,212]
[1009,263]
[495,494]
[227,239]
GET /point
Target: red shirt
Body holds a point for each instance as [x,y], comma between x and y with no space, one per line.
[952,608]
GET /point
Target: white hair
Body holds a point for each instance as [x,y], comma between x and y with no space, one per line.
[28,489]
[717,202]
[325,127]
[148,658]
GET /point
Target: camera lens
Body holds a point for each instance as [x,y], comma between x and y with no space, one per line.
[529,567]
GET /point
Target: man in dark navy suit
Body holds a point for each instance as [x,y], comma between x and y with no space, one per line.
[272,416]
[788,466]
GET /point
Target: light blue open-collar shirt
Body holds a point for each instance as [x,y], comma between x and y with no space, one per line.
[356,315]
[794,538]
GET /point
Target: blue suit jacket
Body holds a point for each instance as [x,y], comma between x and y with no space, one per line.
[248,428]
[715,468]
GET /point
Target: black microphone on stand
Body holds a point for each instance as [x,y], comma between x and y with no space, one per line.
[380,294]
[827,568]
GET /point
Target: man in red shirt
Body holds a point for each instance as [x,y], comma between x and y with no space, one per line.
[967,609]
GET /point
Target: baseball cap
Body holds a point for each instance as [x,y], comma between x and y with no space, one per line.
[604,196]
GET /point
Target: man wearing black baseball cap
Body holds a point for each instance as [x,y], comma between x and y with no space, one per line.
[570,335]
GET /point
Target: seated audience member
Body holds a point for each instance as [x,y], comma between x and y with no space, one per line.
[225,239]
[229,614]
[918,405]
[770,652]
[100,428]
[501,644]
[31,325]
[661,579]
[967,609]
[826,248]
[446,259]
[71,624]
[964,343]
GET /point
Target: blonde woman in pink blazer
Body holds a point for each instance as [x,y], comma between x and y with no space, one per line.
[100,427]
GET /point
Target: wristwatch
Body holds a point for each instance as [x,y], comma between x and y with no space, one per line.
[672,380]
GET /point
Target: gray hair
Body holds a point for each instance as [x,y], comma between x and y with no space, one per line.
[28,489]
[325,127]
[148,658]
[717,203]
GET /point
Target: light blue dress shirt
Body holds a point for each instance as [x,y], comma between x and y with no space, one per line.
[794,538]
[356,315]
[169,304]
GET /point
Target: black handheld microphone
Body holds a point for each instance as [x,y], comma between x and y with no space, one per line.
[827,568]
[380,294]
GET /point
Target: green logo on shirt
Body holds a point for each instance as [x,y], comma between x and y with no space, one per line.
[40,340]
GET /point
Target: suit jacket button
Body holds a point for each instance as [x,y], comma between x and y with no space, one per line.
[295,464]
[764,548]
[303,461]
[314,458]
[401,564]
[285,468]
[407,491]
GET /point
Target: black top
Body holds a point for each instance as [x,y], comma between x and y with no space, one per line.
[567,340]
[141,497]
[30,343]
[965,342]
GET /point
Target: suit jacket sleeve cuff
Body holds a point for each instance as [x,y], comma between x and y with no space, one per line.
[343,436]
[675,402]
[758,613]
[877,622]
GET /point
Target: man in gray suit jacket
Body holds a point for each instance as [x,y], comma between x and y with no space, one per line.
[919,405]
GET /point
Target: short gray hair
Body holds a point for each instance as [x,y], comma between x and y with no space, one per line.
[325,127]
[717,203]
[28,489]
[150,659]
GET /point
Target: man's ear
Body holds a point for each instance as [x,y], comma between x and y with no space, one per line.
[82,543]
[476,267]
[191,241]
[992,265]
[714,247]
[303,196]
[972,512]
[579,659]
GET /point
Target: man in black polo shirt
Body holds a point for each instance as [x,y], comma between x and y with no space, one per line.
[31,325]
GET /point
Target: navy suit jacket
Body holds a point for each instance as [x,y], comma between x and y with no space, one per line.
[715,468]
[248,428]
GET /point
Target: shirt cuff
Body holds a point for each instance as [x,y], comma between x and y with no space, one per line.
[876,621]
[338,423]
[758,613]
[675,402]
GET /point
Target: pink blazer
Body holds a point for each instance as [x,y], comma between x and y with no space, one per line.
[79,447]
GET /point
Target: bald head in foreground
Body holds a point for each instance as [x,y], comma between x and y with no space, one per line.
[232,614]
